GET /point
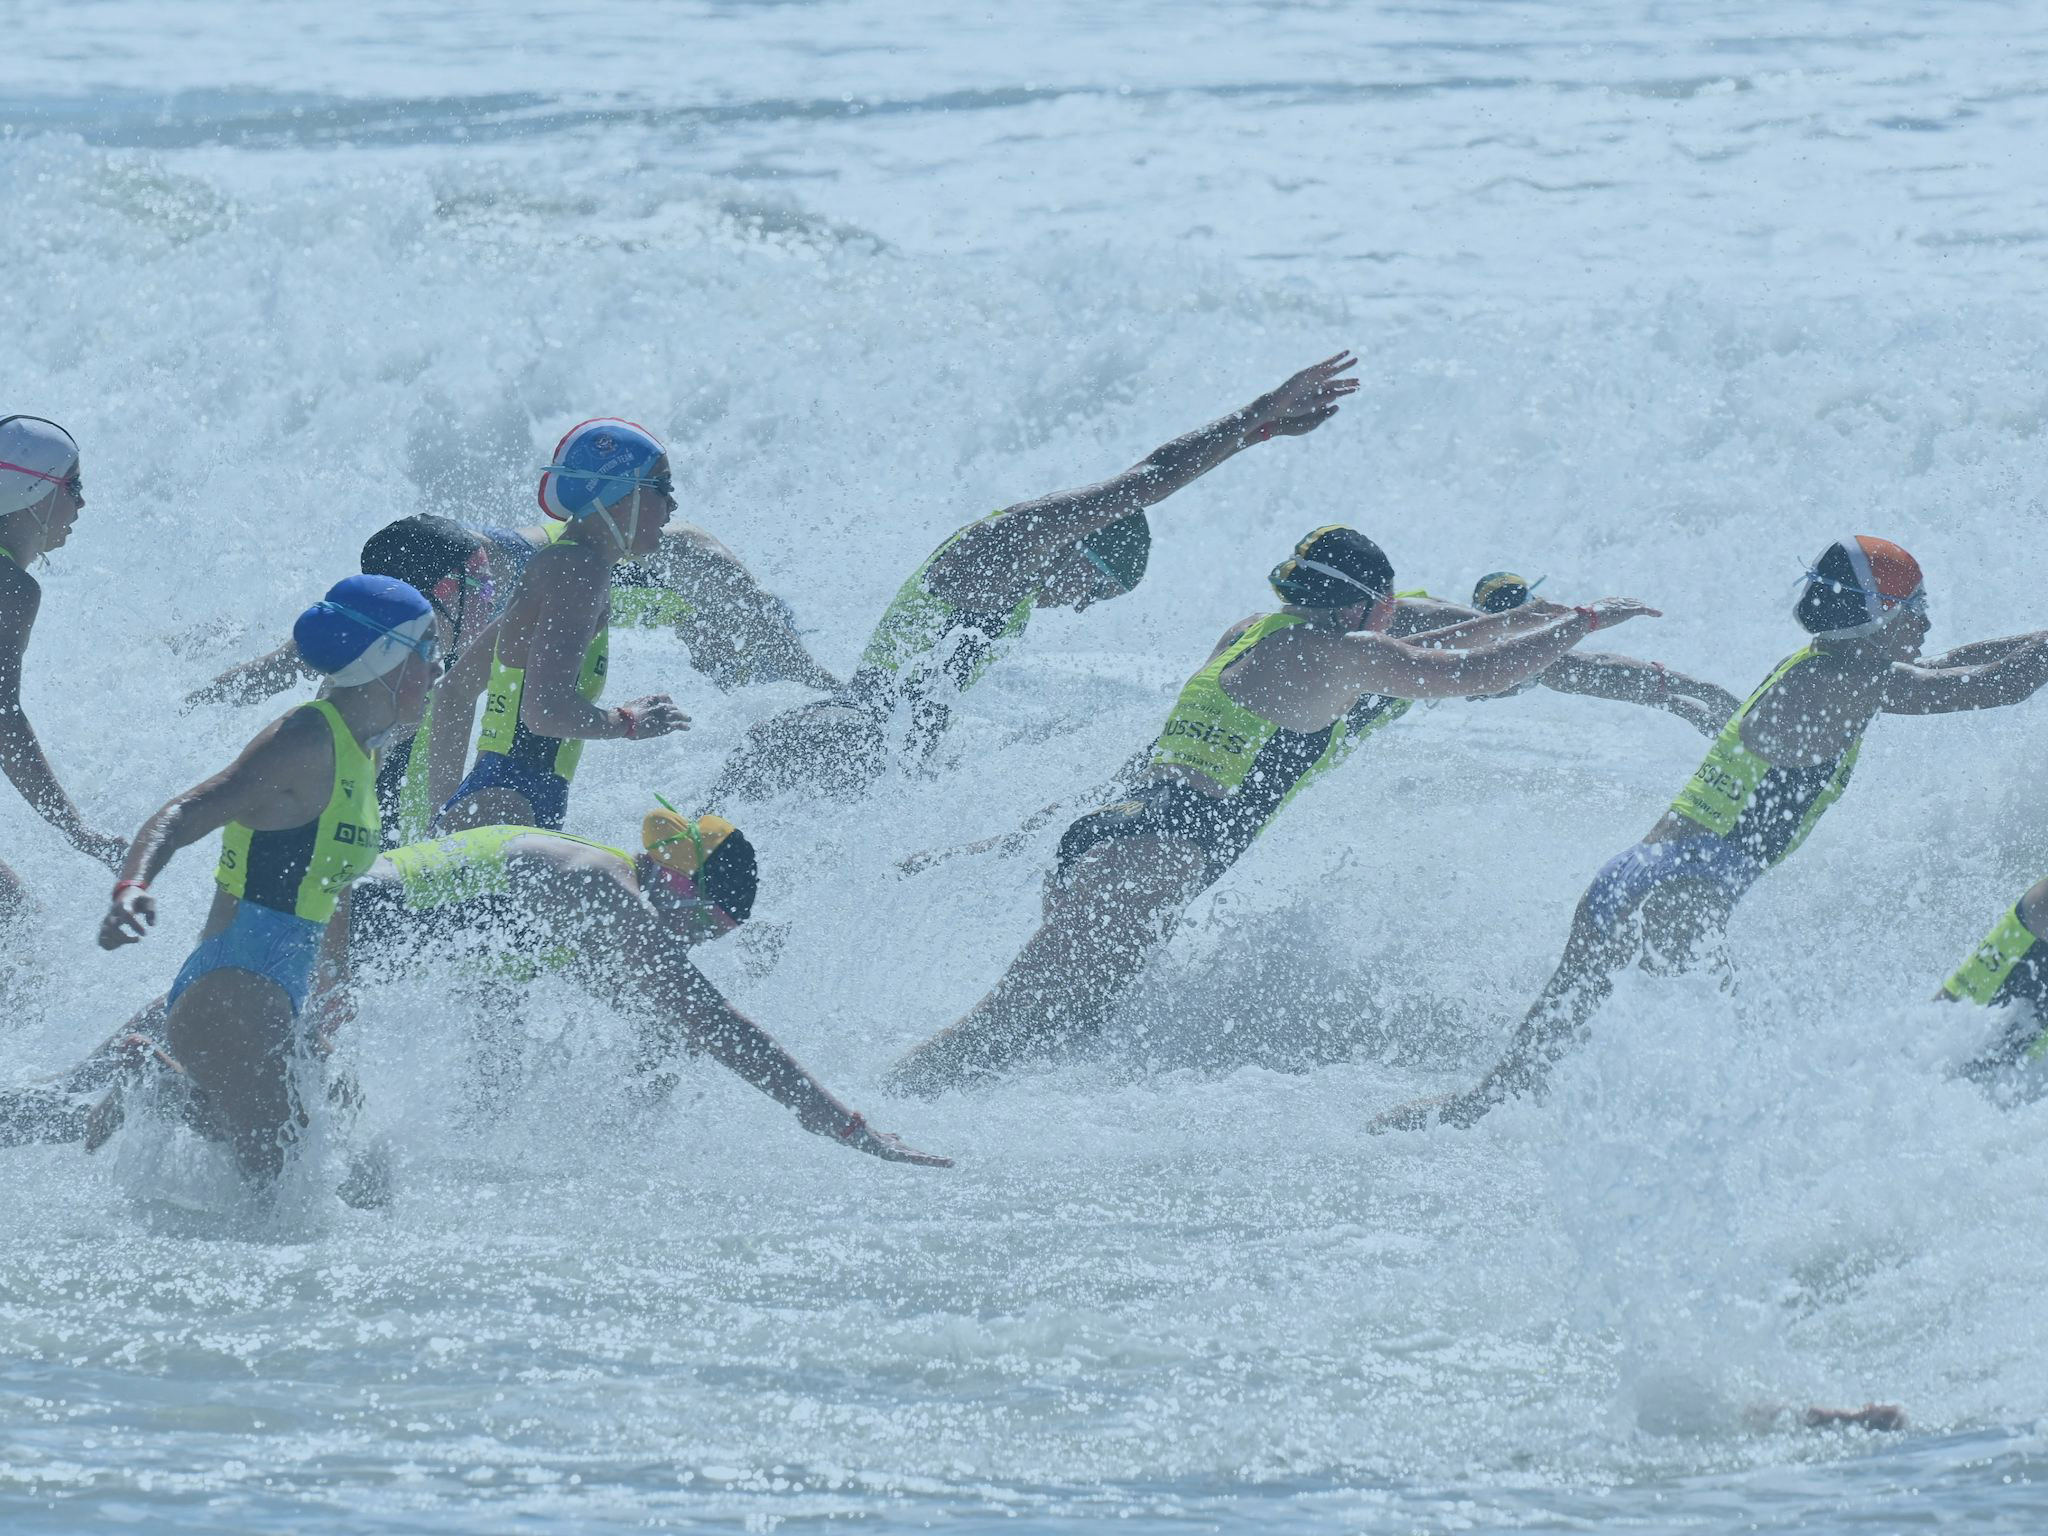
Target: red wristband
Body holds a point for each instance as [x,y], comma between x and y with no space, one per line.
[853,1127]
[1592,619]
[1265,434]
[129,885]
[632,722]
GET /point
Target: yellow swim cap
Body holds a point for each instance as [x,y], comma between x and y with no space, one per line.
[680,842]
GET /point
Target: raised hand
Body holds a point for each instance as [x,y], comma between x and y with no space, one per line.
[1304,402]
[655,715]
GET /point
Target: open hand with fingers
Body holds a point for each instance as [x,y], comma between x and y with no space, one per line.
[1304,402]
[655,715]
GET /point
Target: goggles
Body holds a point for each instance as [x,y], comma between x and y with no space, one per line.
[661,485]
[699,914]
[474,578]
[426,645]
[1880,608]
[70,481]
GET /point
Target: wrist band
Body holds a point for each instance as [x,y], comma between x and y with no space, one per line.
[130,885]
[1265,432]
[1592,619]
[631,721]
[853,1127]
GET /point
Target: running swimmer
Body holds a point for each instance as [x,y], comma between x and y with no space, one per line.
[298,815]
[610,482]
[971,600]
[1774,770]
[620,923]
[1273,709]
[41,496]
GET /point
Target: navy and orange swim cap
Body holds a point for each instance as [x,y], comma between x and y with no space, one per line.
[1856,587]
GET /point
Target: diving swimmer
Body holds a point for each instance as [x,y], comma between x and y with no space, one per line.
[41,496]
[1775,769]
[609,481]
[969,603]
[622,924]
[297,813]
[1276,706]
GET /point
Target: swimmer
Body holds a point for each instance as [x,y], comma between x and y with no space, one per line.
[1775,769]
[1600,675]
[297,811]
[609,481]
[622,924]
[41,496]
[2008,969]
[1271,711]
[971,600]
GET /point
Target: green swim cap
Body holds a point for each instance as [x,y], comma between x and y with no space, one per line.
[1502,591]
[1121,551]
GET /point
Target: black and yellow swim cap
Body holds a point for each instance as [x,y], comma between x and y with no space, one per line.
[1502,591]
[711,851]
[1334,567]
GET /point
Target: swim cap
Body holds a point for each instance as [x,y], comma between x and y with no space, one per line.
[1334,567]
[1502,591]
[1121,551]
[420,551]
[713,852]
[35,456]
[1856,587]
[596,464]
[365,626]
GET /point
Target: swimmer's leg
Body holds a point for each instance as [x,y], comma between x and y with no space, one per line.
[234,1033]
[1121,901]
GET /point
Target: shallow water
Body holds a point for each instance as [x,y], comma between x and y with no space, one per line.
[1650,302]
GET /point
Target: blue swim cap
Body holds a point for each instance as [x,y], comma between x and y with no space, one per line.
[595,465]
[365,626]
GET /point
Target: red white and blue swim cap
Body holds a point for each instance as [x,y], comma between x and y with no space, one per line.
[364,627]
[597,463]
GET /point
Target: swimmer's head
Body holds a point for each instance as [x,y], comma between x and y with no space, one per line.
[41,493]
[1110,562]
[615,472]
[1503,591]
[1336,570]
[698,871]
[373,629]
[1865,589]
[441,560]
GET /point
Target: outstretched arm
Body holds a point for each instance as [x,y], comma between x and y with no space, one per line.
[451,715]
[21,753]
[691,1013]
[1704,706]
[999,560]
[742,634]
[249,682]
[2020,669]
[1484,655]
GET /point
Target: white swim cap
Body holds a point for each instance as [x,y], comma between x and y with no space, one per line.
[35,455]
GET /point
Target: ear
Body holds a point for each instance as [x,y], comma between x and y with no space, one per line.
[1378,615]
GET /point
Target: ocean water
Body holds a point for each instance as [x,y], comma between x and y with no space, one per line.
[1652,299]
